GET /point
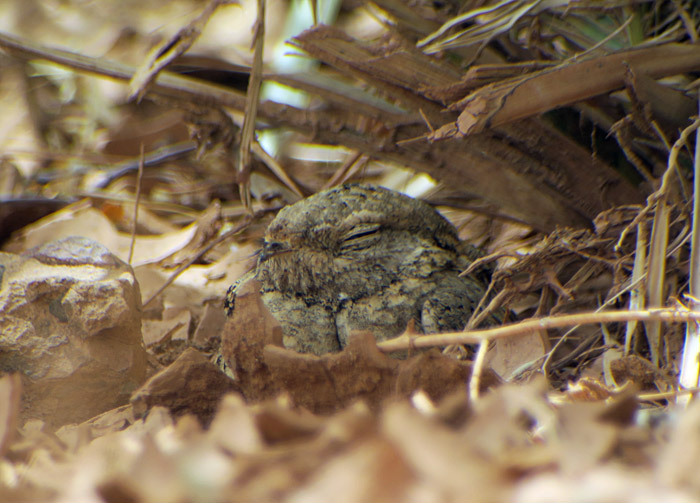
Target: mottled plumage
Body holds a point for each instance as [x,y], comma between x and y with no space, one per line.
[359,257]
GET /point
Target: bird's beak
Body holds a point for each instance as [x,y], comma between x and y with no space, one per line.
[271,249]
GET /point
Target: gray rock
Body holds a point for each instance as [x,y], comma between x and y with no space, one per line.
[70,324]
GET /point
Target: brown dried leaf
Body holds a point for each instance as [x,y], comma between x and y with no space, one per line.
[386,475]
[502,429]
[328,383]
[234,427]
[445,462]
[510,354]
[251,347]
[588,389]
[588,434]
[438,375]
[245,335]
[191,384]
[76,436]
[635,369]
[278,423]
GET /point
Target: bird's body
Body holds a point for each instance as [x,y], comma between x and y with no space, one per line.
[359,257]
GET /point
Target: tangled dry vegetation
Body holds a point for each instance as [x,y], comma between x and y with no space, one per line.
[560,136]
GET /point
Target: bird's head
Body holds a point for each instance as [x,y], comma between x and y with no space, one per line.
[344,231]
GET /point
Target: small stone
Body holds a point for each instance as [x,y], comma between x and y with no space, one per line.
[70,319]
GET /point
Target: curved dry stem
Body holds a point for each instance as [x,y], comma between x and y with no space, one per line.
[666,315]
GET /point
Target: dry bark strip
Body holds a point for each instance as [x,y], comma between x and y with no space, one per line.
[506,101]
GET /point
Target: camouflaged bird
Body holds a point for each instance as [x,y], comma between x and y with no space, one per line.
[360,257]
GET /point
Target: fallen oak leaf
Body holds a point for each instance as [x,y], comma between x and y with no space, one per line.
[327,383]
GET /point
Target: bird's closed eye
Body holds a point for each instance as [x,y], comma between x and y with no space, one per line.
[360,236]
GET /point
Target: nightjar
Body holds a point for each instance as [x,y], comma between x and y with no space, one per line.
[361,257]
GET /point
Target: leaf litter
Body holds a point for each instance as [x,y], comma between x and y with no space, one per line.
[586,412]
